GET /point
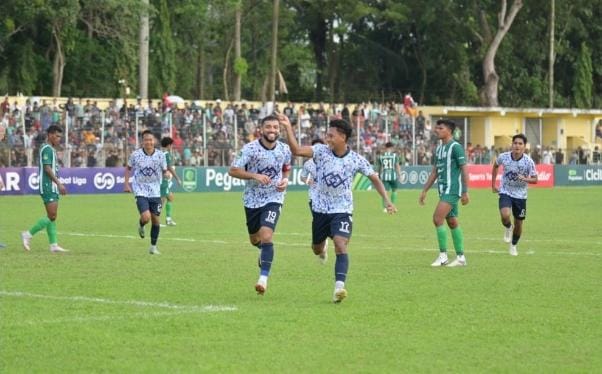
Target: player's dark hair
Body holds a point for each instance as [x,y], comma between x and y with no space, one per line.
[269,118]
[342,127]
[451,125]
[166,141]
[54,129]
[520,136]
[388,145]
[317,141]
[147,132]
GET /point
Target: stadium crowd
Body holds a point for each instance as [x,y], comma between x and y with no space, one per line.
[210,133]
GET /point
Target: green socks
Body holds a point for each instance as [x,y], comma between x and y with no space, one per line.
[458,238]
[40,225]
[442,238]
[168,208]
[51,230]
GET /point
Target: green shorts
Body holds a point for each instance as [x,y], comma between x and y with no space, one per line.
[390,185]
[166,187]
[49,197]
[453,201]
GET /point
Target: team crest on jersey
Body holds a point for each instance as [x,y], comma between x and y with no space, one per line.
[333,180]
[148,171]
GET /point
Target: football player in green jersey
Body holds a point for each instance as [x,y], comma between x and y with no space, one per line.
[50,187]
[389,171]
[451,175]
[166,183]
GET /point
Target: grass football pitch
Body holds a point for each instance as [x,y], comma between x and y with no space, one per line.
[110,306]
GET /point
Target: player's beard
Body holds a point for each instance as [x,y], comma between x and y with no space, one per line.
[270,141]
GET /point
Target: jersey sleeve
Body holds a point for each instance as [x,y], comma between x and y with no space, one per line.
[164,163]
[131,160]
[242,159]
[47,156]
[532,169]
[458,155]
[318,150]
[168,159]
[364,166]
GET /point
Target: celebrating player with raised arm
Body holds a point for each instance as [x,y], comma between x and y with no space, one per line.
[332,203]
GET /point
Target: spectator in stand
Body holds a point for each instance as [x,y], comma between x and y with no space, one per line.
[547,156]
[559,157]
[582,156]
[5,106]
[409,105]
[596,155]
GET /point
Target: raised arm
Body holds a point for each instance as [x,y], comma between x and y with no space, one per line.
[296,149]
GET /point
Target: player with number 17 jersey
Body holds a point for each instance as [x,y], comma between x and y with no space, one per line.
[334,179]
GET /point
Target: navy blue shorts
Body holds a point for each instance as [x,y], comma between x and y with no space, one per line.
[266,215]
[153,204]
[326,225]
[519,206]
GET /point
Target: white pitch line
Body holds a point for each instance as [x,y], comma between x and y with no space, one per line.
[144,304]
[87,319]
[483,251]
[136,237]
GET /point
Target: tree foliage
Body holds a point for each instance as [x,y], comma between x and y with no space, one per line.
[331,50]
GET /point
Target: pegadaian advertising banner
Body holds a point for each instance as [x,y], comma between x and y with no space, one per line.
[19,181]
[578,175]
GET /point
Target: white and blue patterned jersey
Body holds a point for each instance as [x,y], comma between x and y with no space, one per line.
[309,170]
[334,179]
[147,172]
[255,158]
[510,184]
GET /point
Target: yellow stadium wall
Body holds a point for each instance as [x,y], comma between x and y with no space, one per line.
[477,131]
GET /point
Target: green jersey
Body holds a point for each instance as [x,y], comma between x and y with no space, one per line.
[449,158]
[387,166]
[48,157]
[169,161]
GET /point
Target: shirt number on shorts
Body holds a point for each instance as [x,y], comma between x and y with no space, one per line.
[344,227]
[271,218]
[522,213]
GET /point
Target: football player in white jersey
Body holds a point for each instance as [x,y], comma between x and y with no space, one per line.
[519,171]
[332,204]
[148,165]
[265,164]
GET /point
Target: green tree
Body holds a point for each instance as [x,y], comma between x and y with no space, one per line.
[582,88]
[163,54]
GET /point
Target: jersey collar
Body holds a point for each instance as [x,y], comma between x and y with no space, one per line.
[343,155]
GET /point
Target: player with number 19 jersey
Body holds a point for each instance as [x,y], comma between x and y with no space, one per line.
[256,158]
[334,179]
